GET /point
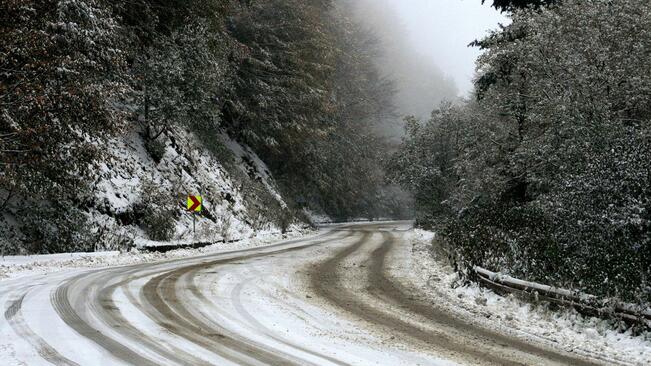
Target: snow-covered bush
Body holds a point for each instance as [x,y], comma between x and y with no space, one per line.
[157,211]
[155,148]
[52,229]
[224,227]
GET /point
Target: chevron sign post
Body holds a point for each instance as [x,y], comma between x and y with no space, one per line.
[195,204]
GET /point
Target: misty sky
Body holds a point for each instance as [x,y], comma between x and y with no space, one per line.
[442,29]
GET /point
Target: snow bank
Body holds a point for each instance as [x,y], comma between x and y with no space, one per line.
[19,266]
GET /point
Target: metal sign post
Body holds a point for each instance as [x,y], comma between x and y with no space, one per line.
[194,205]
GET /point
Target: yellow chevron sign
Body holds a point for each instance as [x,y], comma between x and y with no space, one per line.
[195,203]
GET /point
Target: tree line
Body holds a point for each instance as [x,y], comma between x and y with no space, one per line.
[545,172]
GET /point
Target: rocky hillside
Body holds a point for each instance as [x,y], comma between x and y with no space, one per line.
[139,190]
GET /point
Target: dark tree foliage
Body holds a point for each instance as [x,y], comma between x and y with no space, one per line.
[60,65]
[305,97]
[502,70]
[511,5]
[283,75]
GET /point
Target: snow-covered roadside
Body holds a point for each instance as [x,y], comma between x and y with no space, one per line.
[565,327]
[19,266]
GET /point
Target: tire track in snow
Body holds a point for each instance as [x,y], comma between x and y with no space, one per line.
[162,292]
[111,314]
[14,317]
[466,343]
[162,299]
[61,301]
[238,305]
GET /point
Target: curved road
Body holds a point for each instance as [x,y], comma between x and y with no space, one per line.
[329,299]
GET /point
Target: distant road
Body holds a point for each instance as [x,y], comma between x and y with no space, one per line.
[328,299]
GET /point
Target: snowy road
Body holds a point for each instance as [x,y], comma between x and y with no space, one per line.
[329,299]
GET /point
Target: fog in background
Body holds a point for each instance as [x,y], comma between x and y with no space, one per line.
[442,29]
[424,48]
